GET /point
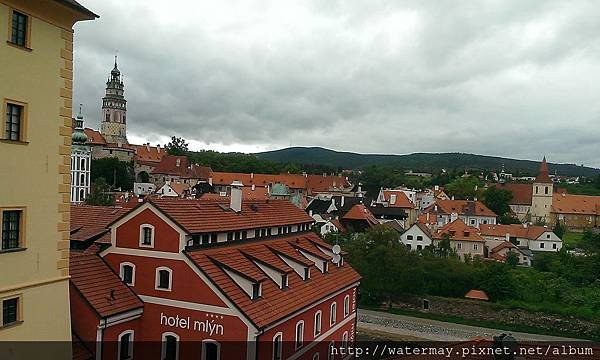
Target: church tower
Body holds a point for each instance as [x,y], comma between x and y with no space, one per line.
[81,159]
[114,110]
[541,200]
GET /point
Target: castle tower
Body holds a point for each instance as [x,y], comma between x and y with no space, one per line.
[114,110]
[81,158]
[541,200]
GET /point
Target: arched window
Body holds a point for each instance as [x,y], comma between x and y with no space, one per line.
[82,179]
[345,340]
[332,314]
[146,235]
[277,346]
[315,356]
[127,273]
[317,323]
[347,305]
[82,164]
[299,334]
[170,346]
[163,278]
[211,350]
[81,194]
[126,345]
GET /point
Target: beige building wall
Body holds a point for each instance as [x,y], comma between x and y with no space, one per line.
[36,169]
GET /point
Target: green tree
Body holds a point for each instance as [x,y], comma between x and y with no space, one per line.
[177,146]
[100,194]
[498,200]
[464,187]
[117,173]
[512,259]
[143,176]
[559,229]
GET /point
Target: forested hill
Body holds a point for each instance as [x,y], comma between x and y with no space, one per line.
[425,162]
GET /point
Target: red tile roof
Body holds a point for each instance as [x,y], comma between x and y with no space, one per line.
[89,221]
[275,303]
[521,193]
[94,137]
[458,230]
[517,230]
[338,225]
[259,193]
[361,212]
[401,201]
[543,176]
[202,216]
[148,154]
[180,166]
[575,204]
[461,207]
[292,181]
[100,286]
[320,183]
[477,295]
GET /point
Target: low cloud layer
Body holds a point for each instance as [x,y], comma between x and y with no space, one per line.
[508,78]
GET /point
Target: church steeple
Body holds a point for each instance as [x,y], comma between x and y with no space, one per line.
[114,109]
[543,175]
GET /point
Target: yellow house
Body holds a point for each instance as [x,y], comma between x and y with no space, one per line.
[36,72]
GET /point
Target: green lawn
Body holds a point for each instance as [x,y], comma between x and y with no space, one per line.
[571,239]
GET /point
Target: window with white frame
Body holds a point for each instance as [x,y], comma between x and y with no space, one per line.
[317,323]
[332,314]
[164,277]
[170,346]
[127,273]
[345,339]
[330,350]
[299,334]
[277,343]
[211,350]
[126,345]
[346,305]
[315,356]
[146,235]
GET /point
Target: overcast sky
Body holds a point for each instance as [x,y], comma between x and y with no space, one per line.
[509,78]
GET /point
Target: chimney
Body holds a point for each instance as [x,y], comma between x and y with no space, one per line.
[427,217]
[436,188]
[453,217]
[178,162]
[235,202]
[452,197]
[253,187]
[435,208]
[158,148]
[148,147]
[343,200]
[507,237]
[252,175]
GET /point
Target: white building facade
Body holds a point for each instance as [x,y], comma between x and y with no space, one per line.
[81,161]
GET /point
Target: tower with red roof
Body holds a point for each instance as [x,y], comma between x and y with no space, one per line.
[541,199]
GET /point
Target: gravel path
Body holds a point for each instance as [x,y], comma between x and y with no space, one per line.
[435,330]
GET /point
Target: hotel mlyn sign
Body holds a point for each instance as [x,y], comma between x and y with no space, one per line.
[207,279]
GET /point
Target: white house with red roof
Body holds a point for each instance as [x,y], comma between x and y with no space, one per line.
[464,239]
[472,213]
[217,280]
[400,198]
[534,238]
[417,237]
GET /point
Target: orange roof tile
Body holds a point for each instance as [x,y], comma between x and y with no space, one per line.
[94,137]
[100,286]
[202,216]
[148,154]
[575,204]
[543,176]
[458,230]
[521,193]
[477,295]
[401,201]
[461,207]
[275,303]
[517,230]
[89,221]
[293,181]
[320,183]
[360,212]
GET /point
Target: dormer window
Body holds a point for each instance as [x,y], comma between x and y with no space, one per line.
[146,235]
[306,273]
[256,291]
[284,281]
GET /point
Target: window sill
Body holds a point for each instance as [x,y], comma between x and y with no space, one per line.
[4,251]
[11,325]
[24,48]
[15,142]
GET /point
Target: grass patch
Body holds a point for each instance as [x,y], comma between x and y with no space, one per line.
[572,239]
[486,324]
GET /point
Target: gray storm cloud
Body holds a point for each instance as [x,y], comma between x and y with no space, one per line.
[507,78]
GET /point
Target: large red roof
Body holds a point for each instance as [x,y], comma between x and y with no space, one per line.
[400,201]
[148,154]
[89,221]
[518,230]
[292,181]
[100,286]
[324,183]
[460,231]
[361,212]
[180,166]
[521,193]
[461,207]
[275,303]
[202,216]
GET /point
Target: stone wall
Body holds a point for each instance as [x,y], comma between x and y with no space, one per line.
[490,312]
